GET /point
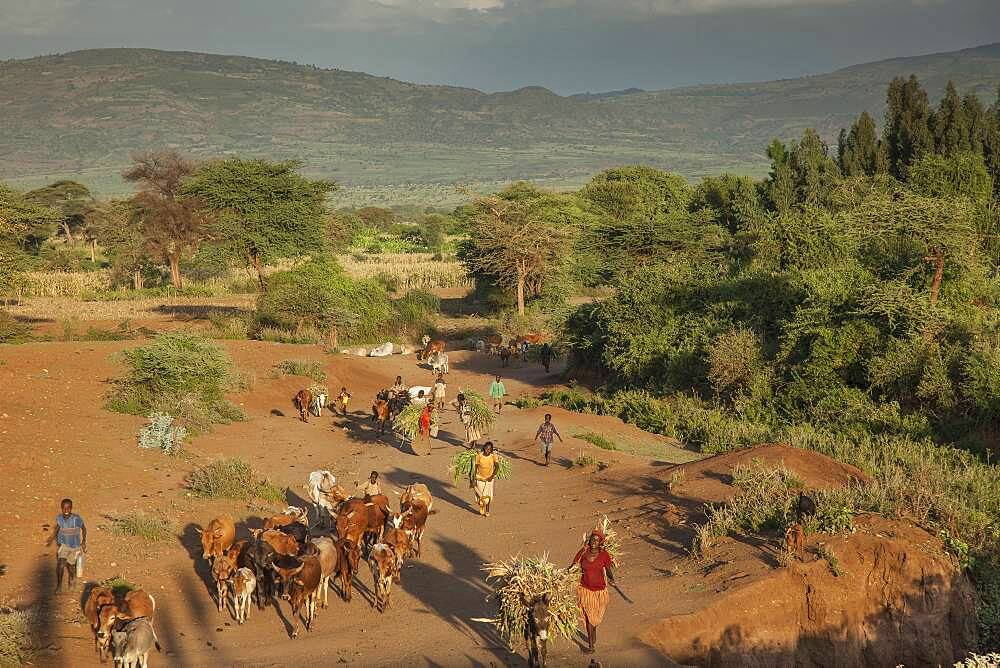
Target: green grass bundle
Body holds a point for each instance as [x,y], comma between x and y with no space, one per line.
[408,420]
[462,462]
[524,579]
[612,541]
[481,416]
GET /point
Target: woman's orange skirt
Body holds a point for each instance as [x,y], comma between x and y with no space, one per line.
[592,604]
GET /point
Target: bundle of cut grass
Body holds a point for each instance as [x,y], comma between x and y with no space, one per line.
[408,420]
[612,542]
[481,417]
[461,464]
[522,580]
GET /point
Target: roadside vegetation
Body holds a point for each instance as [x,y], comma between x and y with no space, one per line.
[233,479]
[178,374]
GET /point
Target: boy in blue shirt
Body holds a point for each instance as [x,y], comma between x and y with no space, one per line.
[70,535]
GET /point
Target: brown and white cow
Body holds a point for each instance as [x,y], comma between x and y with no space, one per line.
[413,522]
[223,569]
[399,541]
[97,598]
[242,584]
[290,515]
[435,346]
[348,562]
[382,561]
[136,603]
[217,537]
[328,560]
[302,401]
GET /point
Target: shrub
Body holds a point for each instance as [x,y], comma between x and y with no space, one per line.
[832,561]
[16,630]
[318,296]
[12,330]
[233,327]
[305,368]
[149,527]
[305,336]
[596,439]
[179,374]
[527,401]
[162,434]
[233,479]
[584,461]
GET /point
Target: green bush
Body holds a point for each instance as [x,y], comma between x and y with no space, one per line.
[12,330]
[17,628]
[233,479]
[597,439]
[180,374]
[305,368]
[148,527]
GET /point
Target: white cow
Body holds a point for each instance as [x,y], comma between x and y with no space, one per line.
[438,362]
[318,404]
[323,494]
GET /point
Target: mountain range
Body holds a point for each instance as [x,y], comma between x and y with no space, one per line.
[81,114]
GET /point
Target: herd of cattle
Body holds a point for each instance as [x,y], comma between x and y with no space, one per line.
[290,558]
[287,557]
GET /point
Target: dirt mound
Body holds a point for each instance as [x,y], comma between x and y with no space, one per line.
[895,600]
[884,595]
[709,479]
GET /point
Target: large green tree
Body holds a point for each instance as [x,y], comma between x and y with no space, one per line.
[907,131]
[860,151]
[263,210]
[520,235]
[20,222]
[117,226]
[70,198]
[950,124]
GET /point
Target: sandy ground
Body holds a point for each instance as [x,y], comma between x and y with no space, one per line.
[58,441]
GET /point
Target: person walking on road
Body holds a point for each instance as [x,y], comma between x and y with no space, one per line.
[497,393]
[439,392]
[546,355]
[70,536]
[484,469]
[592,592]
[547,432]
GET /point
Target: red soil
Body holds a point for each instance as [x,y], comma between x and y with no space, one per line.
[58,441]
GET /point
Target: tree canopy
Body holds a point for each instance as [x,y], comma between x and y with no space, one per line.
[263,210]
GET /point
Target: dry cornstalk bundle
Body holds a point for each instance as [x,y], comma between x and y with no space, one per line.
[521,580]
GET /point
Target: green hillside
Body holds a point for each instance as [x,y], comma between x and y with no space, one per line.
[80,114]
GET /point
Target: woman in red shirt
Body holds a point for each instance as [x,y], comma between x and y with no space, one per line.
[423,446]
[592,592]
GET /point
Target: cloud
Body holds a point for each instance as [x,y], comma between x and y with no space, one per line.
[404,14]
[35,17]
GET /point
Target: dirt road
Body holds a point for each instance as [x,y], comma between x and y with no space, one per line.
[58,441]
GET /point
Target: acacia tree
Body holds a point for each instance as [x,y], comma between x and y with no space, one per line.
[19,218]
[116,227]
[73,200]
[172,224]
[519,235]
[263,210]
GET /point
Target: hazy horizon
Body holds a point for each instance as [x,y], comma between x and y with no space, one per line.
[569,46]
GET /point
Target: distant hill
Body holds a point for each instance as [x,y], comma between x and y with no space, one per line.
[80,114]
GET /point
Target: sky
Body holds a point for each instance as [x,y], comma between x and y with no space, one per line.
[568,46]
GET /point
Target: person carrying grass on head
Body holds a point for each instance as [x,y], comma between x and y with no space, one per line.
[70,536]
[343,399]
[422,446]
[547,432]
[484,469]
[497,393]
[592,592]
